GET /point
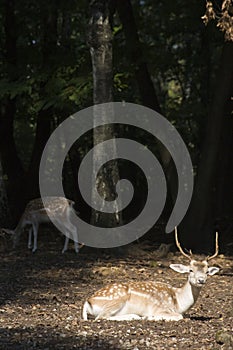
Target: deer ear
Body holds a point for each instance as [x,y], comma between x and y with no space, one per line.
[179,268]
[212,270]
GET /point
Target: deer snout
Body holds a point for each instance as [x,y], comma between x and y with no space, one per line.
[201,280]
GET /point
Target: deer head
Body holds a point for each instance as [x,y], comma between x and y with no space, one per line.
[198,269]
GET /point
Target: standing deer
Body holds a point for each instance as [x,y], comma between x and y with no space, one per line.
[152,300]
[59,209]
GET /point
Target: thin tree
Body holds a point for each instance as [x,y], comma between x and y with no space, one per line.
[5,218]
[214,167]
[146,87]
[48,24]
[11,162]
[100,43]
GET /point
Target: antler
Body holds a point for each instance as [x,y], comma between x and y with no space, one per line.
[179,246]
[216,249]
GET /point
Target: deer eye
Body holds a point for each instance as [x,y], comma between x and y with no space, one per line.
[190,270]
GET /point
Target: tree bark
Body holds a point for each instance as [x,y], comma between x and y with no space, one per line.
[100,43]
[5,218]
[42,135]
[146,89]
[133,47]
[11,163]
[223,184]
[43,126]
[199,221]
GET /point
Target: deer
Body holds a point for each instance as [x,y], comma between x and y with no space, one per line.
[35,213]
[151,300]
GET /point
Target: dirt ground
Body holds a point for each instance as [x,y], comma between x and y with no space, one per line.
[41,296]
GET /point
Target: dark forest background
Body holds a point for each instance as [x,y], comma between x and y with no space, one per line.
[163,57]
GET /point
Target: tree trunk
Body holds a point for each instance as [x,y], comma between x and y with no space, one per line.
[5,218]
[100,42]
[133,47]
[199,221]
[11,163]
[223,184]
[42,135]
[146,88]
[43,127]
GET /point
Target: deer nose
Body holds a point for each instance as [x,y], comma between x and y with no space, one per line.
[201,280]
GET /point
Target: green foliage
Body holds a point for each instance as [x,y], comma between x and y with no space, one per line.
[182,55]
[120,81]
[180,51]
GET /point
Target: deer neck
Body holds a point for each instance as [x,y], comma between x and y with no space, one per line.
[187,296]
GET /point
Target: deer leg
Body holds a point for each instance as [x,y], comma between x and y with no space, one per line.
[129,317]
[30,238]
[166,316]
[72,230]
[112,308]
[65,245]
[35,235]
[105,311]
[75,238]
[76,245]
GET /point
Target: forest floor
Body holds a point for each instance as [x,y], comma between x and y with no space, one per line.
[41,297]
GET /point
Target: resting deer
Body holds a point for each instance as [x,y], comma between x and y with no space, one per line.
[152,300]
[59,209]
